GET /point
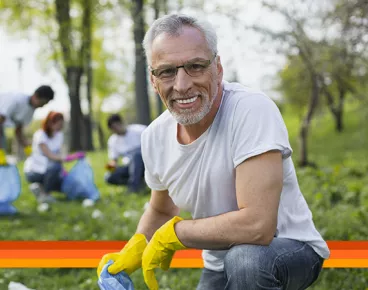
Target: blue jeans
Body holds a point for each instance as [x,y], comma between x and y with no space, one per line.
[51,180]
[284,264]
[131,174]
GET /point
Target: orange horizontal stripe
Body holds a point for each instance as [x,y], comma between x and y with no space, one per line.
[347,245]
[79,254]
[97,254]
[186,263]
[346,263]
[49,263]
[60,245]
[188,254]
[52,254]
[82,263]
[349,254]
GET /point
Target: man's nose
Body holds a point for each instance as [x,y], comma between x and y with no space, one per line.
[183,81]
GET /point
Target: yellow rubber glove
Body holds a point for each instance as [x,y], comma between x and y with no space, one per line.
[28,150]
[129,259]
[160,251]
[2,157]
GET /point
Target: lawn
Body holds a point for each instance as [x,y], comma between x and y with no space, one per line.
[337,192]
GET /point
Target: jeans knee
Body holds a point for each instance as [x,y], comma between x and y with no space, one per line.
[248,260]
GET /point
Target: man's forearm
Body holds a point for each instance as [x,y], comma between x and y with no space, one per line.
[150,221]
[20,137]
[224,231]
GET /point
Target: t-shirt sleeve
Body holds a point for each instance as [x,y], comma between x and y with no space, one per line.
[7,106]
[111,149]
[151,178]
[60,140]
[258,127]
[41,138]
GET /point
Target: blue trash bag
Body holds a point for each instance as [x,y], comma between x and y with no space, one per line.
[120,281]
[79,182]
[10,188]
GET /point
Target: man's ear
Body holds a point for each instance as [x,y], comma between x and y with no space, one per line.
[220,70]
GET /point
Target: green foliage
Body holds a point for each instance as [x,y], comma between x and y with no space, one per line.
[39,18]
[295,84]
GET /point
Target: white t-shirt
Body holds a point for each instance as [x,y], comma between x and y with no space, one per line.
[38,162]
[118,145]
[16,109]
[200,176]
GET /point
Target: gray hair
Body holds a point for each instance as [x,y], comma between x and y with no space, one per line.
[172,25]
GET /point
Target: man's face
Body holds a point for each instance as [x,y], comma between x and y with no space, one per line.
[188,98]
[38,102]
[117,128]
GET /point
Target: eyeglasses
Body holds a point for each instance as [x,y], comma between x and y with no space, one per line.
[193,69]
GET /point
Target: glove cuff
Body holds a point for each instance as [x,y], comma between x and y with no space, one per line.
[138,241]
[171,223]
[139,237]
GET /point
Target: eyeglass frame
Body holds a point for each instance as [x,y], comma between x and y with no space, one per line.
[209,62]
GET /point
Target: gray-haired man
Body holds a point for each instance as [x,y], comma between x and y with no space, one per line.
[220,151]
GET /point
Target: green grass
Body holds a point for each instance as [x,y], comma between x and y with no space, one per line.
[337,192]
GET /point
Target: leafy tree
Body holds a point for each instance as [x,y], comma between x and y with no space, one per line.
[294,83]
[65,30]
[327,65]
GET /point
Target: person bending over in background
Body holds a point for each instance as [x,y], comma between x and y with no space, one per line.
[125,143]
[43,168]
[220,151]
[16,110]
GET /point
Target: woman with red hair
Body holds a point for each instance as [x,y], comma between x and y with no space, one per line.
[43,169]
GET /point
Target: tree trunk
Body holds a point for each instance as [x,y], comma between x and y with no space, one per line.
[304,130]
[87,38]
[141,90]
[158,7]
[339,126]
[74,75]
[101,136]
[336,110]
[165,7]
[340,111]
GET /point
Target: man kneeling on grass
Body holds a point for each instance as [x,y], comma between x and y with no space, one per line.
[220,151]
[125,143]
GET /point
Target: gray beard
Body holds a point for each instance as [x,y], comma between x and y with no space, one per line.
[186,117]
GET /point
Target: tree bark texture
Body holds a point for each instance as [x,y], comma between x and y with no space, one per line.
[304,130]
[141,88]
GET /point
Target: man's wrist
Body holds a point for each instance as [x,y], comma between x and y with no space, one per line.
[180,229]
